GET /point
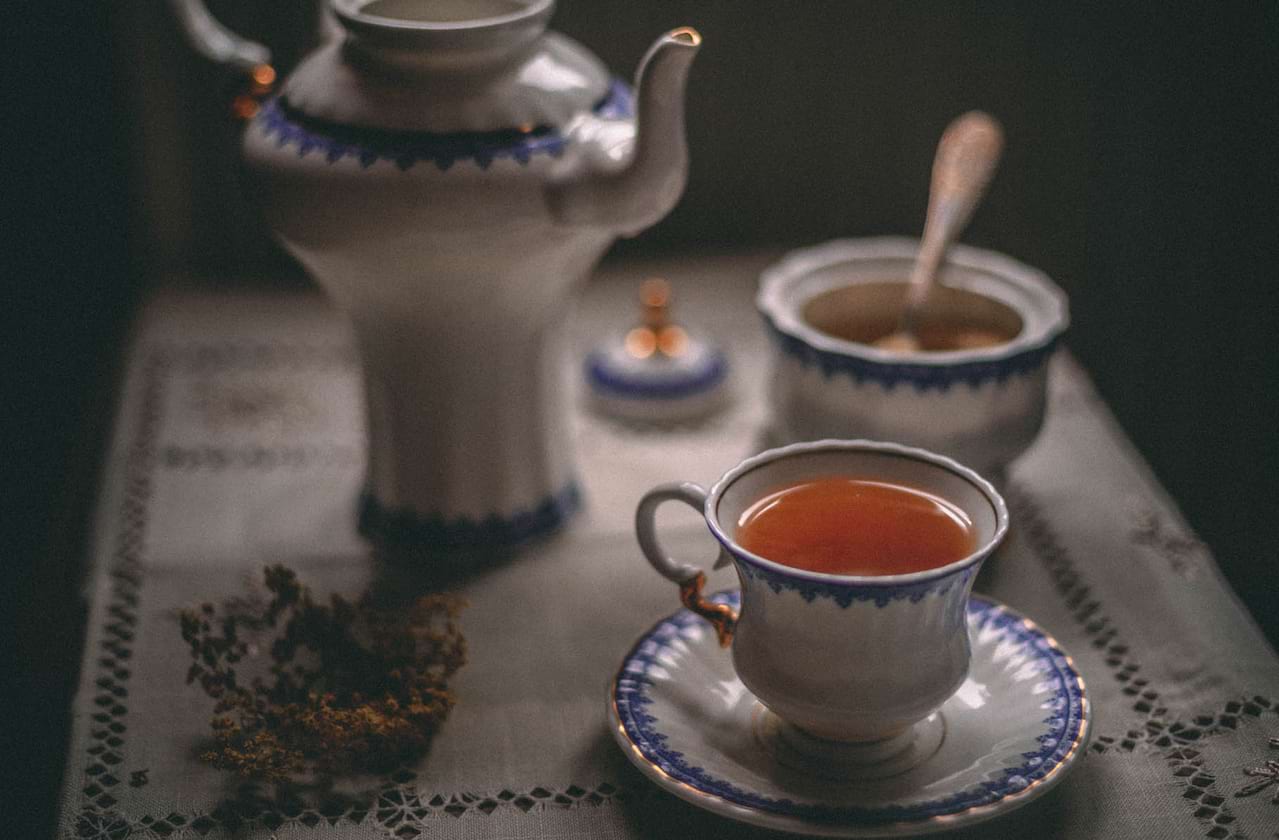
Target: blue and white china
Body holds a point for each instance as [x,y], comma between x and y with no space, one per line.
[657,371]
[1017,724]
[861,660]
[981,406]
[449,171]
[656,388]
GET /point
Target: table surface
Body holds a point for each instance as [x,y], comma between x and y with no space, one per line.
[239,442]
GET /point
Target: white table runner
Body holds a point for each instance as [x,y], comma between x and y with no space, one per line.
[240,443]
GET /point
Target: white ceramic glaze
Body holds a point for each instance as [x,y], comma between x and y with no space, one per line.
[528,76]
[982,407]
[843,658]
[1017,724]
[449,172]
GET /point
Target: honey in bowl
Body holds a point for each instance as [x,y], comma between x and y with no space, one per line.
[954,319]
[844,525]
[938,338]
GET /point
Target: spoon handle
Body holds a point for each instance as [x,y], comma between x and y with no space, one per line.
[966,158]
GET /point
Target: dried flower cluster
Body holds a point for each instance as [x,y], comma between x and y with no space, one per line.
[351,687]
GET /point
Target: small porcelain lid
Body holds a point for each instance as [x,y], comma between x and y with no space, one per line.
[447,67]
[657,371]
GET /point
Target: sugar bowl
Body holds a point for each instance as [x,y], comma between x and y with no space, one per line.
[983,405]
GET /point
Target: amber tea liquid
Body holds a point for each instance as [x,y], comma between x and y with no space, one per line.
[856,526]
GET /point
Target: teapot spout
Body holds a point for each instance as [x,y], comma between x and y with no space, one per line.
[215,42]
[651,181]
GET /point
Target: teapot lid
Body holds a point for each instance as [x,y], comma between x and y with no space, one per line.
[447,66]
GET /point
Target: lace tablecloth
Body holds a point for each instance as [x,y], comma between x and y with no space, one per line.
[240,443]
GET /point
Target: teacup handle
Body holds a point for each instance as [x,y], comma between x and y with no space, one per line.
[690,578]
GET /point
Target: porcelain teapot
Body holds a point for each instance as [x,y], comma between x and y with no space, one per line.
[448,171]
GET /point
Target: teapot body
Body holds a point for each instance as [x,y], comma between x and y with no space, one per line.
[457,278]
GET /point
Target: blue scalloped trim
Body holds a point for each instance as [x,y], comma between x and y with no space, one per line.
[405,527]
[291,127]
[845,594]
[1062,728]
[921,377]
[610,382]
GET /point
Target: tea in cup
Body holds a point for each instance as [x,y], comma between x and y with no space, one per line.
[856,560]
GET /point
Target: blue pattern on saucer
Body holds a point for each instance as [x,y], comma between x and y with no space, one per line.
[1062,728]
[845,594]
[291,127]
[923,377]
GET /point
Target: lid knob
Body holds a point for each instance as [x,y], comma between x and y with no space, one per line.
[656,333]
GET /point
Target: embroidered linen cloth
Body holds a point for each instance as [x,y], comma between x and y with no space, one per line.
[239,443]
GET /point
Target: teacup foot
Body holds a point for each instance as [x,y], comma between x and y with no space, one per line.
[844,761]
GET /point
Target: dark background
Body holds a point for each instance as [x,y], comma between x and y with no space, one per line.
[1142,173]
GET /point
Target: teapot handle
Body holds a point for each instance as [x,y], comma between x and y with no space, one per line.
[217,43]
[222,46]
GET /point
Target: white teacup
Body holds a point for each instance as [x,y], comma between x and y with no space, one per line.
[841,658]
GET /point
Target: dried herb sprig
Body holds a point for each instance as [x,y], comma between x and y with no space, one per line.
[351,686]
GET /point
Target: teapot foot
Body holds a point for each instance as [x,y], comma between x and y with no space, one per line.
[402,527]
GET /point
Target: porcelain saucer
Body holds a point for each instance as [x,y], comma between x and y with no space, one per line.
[1010,733]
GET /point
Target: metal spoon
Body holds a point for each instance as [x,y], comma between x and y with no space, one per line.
[966,157]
